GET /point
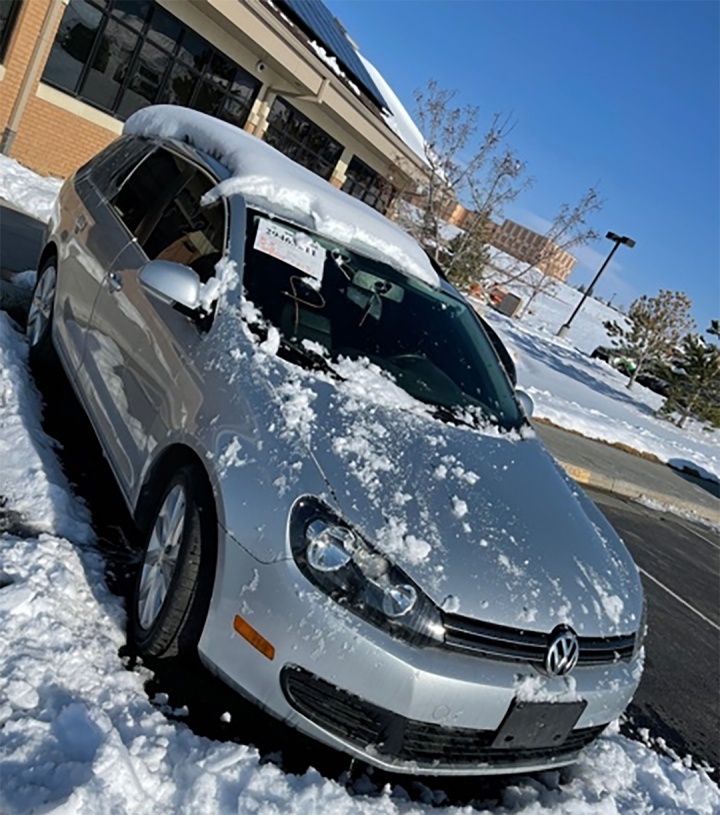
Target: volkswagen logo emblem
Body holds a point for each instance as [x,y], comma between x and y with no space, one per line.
[563,652]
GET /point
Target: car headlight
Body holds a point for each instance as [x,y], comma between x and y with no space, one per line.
[642,630]
[339,561]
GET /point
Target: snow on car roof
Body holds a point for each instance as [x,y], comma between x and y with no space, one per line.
[271,181]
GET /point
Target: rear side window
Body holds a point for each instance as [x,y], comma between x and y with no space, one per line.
[111,167]
[139,196]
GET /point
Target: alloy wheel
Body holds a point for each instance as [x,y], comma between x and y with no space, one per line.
[40,311]
[161,556]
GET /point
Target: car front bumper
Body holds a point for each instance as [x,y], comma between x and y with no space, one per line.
[402,708]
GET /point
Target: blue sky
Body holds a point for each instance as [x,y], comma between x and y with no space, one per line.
[625,95]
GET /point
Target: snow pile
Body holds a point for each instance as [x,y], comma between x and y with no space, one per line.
[26,189]
[31,481]
[269,180]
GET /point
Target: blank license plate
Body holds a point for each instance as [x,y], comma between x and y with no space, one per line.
[537,724]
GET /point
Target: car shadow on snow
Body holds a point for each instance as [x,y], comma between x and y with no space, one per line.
[572,369]
[181,687]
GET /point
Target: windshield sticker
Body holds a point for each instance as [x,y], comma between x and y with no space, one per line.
[297,249]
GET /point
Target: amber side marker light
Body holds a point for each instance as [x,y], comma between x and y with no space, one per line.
[255,639]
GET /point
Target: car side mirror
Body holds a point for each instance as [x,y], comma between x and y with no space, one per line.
[526,401]
[173,283]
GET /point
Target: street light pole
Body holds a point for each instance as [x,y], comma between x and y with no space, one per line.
[618,239]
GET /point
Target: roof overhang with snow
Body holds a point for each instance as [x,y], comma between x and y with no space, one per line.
[292,66]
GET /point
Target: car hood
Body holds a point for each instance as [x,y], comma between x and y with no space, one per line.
[484,521]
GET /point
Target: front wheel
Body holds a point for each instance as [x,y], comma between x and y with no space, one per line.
[40,315]
[174,581]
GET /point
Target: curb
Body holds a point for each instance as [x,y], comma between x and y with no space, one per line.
[628,490]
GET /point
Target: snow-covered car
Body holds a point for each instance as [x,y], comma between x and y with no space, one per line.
[344,508]
[612,357]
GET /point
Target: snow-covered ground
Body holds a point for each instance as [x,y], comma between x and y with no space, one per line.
[77,731]
[26,189]
[79,735]
[588,396]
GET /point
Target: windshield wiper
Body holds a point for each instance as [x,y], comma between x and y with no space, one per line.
[450,415]
[306,358]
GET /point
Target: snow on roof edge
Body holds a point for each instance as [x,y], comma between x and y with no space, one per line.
[399,120]
[266,177]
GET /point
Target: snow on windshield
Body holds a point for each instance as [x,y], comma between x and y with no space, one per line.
[271,181]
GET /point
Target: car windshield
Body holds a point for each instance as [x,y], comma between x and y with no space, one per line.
[327,302]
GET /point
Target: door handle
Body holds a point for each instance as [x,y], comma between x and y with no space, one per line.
[114,282]
[80,223]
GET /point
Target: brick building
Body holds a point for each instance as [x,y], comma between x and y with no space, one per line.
[71,71]
[531,247]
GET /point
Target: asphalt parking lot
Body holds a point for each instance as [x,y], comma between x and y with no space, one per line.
[679,696]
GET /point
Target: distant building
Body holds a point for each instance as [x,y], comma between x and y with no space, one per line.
[72,71]
[531,247]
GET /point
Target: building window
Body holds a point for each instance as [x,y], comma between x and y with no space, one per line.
[297,137]
[364,183]
[122,55]
[8,14]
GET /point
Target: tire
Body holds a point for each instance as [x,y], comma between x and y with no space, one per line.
[174,582]
[38,330]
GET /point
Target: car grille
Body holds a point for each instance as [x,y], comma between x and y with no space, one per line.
[431,745]
[499,642]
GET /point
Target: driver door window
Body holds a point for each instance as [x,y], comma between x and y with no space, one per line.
[160,205]
[187,232]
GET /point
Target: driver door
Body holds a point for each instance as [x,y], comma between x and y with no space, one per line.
[139,348]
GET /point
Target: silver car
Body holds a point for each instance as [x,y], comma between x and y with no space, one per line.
[344,507]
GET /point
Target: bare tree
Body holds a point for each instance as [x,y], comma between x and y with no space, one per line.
[656,325]
[479,171]
[568,230]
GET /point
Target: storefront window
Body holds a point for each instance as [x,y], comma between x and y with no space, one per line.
[303,141]
[8,14]
[364,183]
[122,55]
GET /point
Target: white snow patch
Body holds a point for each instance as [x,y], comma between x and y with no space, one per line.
[31,480]
[28,190]
[296,406]
[226,278]
[230,457]
[459,507]
[539,688]
[395,540]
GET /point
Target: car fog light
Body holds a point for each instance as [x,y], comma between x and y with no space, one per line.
[329,547]
[399,600]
